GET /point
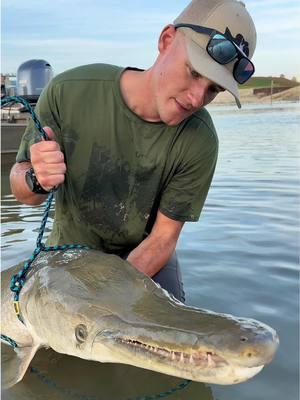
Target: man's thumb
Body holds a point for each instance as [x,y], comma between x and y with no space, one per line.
[49,132]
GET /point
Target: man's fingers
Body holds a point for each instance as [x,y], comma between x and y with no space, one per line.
[50,169]
[51,181]
[48,161]
[50,133]
[53,157]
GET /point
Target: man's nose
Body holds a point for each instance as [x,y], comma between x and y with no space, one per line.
[197,96]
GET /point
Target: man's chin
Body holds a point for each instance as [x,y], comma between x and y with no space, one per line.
[174,120]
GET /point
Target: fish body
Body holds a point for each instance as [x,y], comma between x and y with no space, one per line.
[97,306]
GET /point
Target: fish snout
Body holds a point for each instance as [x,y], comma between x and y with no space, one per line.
[259,348]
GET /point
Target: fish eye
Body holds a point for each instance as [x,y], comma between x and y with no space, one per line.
[81,333]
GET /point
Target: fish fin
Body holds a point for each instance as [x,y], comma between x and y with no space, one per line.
[14,363]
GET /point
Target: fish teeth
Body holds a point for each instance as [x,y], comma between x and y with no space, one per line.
[181,357]
[191,359]
[173,355]
[210,362]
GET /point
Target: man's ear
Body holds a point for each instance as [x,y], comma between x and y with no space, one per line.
[166,38]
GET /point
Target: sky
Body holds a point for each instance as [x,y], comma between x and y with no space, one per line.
[69,33]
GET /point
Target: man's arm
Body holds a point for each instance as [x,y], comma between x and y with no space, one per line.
[47,160]
[154,252]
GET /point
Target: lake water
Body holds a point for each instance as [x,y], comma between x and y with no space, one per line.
[242,257]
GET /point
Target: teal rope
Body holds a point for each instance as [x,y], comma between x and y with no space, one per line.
[18,280]
[74,394]
[10,341]
[18,99]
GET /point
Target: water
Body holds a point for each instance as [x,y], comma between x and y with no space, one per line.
[240,258]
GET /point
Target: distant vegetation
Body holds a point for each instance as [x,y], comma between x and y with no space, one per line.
[262,82]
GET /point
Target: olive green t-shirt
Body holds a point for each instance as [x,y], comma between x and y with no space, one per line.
[120,168]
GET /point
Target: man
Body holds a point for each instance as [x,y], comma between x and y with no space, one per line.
[133,152]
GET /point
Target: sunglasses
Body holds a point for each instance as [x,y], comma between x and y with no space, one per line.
[224,50]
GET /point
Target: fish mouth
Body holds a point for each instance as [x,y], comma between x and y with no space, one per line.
[202,365]
[194,358]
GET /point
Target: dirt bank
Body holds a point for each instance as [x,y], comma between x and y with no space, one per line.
[247,96]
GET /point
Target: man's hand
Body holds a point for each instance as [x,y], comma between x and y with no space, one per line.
[48,162]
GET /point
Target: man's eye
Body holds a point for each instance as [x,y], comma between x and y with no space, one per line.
[195,74]
[216,90]
[213,89]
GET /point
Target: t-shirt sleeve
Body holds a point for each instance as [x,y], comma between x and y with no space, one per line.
[186,190]
[47,112]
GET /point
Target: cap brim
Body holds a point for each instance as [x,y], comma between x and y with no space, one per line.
[206,66]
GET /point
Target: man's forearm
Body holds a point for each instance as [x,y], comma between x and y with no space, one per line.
[19,186]
[151,254]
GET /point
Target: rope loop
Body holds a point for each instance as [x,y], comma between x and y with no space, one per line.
[72,393]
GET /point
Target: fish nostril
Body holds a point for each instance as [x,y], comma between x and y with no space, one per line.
[249,355]
[243,339]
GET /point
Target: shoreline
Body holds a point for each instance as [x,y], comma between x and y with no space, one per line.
[247,97]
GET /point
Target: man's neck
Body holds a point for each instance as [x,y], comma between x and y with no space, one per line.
[136,89]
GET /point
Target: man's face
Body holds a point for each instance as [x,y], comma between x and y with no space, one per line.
[179,89]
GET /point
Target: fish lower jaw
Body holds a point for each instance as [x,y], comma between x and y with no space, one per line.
[204,366]
[201,366]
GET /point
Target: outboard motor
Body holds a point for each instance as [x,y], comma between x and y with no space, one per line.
[32,77]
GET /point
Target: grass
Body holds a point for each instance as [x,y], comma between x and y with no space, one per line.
[262,82]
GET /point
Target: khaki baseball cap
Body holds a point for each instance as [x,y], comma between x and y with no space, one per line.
[228,16]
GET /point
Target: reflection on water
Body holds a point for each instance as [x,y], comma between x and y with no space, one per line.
[240,258]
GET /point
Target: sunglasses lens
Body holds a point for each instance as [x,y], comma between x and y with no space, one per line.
[243,70]
[221,49]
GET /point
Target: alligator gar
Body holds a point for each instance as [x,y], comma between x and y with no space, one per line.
[98,307]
